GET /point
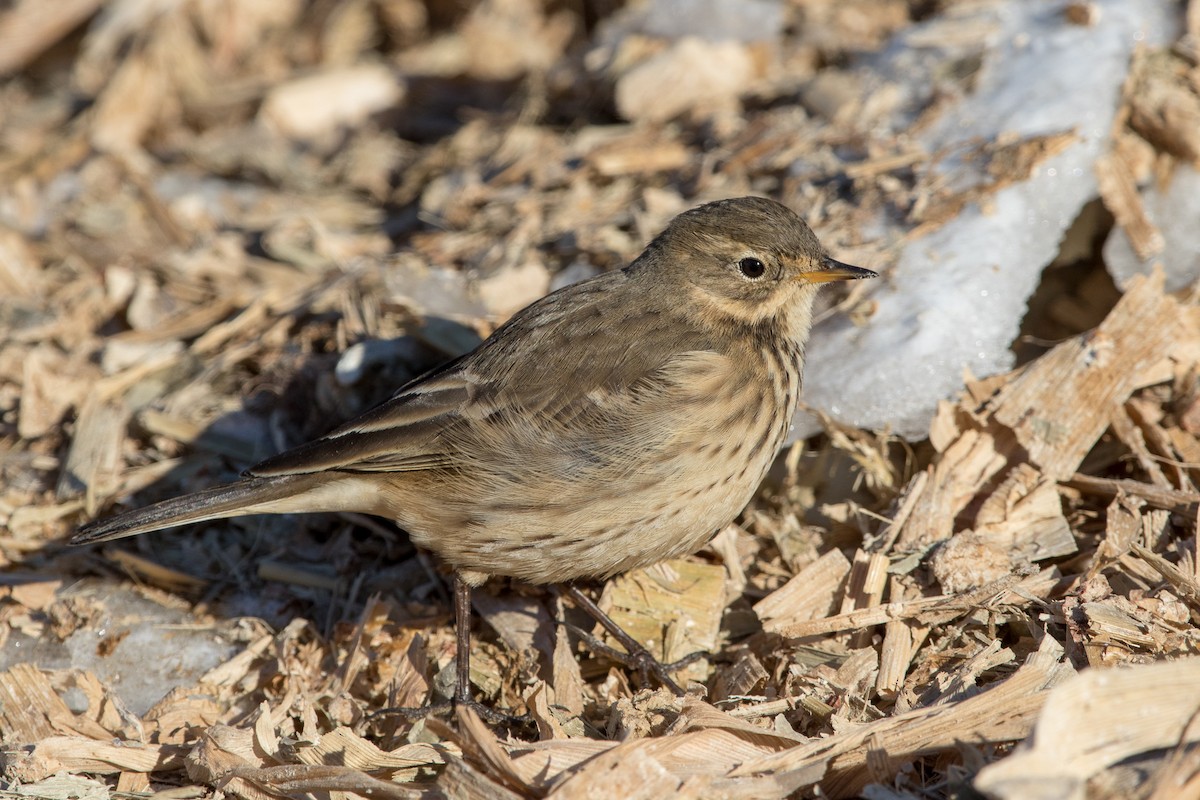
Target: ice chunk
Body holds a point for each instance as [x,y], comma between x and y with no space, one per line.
[714,20]
[140,649]
[955,299]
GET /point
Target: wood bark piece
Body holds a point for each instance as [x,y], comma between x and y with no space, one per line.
[901,640]
[480,745]
[864,588]
[930,610]
[621,772]
[1061,404]
[1006,711]
[1148,419]
[49,388]
[865,584]
[54,754]
[1131,436]
[703,744]
[157,575]
[28,704]
[741,678]
[954,481]
[522,622]
[1094,720]
[961,682]
[1187,585]
[1025,514]
[811,593]
[674,608]
[1119,191]
[343,747]
[29,28]
[1107,623]
[461,780]
[95,450]
[1186,503]
[567,678]
[885,542]
[1164,107]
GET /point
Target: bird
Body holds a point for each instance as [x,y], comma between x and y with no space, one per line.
[613,424]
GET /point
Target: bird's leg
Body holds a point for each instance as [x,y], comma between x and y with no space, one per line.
[462,663]
[462,671]
[462,638]
[636,656]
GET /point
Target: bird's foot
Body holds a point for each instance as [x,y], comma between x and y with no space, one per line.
[447,707]
[517,722]
[414,713]
[635,656]
[640,661]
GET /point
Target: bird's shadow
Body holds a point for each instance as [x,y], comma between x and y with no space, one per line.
[319,566]
[324,568]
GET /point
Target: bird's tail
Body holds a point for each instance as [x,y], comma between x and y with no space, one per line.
[274,495]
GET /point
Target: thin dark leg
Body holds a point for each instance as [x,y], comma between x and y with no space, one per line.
[635,656]
[462,671]
[462,637]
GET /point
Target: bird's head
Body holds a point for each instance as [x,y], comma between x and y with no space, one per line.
[747,258]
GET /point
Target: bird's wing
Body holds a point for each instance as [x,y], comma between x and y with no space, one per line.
[562,375]
[634,422]
[400,435]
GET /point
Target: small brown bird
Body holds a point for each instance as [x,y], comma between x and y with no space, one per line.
[613,424]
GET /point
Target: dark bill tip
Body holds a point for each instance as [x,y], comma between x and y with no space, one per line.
[836,271]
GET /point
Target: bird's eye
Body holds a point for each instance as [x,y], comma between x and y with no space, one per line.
[752,267]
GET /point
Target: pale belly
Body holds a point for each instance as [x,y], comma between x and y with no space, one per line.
[573,508]
[600,532]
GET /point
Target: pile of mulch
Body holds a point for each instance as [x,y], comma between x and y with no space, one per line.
[225,228]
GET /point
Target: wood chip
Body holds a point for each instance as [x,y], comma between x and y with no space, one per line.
[1119,190]
[198,270]
[53,754]
[673,608]
[28,29]
[1094,372]
[812,593]
[1145,708]
[1005,712]
[30,706]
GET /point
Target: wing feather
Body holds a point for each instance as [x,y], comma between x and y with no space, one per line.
[400,435]
[559,385]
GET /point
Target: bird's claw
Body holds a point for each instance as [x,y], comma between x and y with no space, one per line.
[640,660]
[447,707]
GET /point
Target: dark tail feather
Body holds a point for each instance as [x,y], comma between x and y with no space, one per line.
[247,496]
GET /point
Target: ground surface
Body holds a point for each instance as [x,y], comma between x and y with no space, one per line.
[224,228]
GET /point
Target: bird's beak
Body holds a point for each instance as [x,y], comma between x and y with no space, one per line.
[835,271]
